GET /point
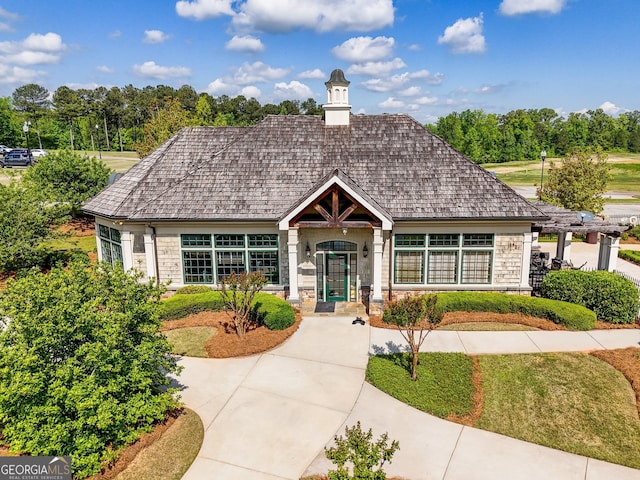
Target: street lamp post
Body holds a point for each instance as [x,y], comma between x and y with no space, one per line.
[25,129]
[543,155]
[98,140]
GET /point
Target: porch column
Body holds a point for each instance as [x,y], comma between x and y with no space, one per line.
[126,242]
[378,246]
[608,253]
[292,242]
[526,259]
[150,253]
[563,248]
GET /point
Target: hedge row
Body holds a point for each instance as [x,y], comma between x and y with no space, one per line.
[630,255]
[269,310]
[612,297]
[575,317]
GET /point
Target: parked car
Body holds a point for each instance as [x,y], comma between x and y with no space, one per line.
[4,149]
[39,152]
[18,157]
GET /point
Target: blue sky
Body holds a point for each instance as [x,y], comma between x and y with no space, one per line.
[422,57]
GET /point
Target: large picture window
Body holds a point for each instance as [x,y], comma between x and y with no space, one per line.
[208,259]
[110,245]
[451,258]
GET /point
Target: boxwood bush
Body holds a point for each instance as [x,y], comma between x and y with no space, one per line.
[630,255]
[183,304]
[575,317]
[269,310]
[190,289]
[273,312]
[612,297]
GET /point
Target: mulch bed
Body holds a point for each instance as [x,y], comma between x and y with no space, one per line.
[226,343]
[626,361]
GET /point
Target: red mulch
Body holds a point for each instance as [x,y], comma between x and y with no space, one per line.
[226,343]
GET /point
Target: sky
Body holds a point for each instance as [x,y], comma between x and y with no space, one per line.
[427,58]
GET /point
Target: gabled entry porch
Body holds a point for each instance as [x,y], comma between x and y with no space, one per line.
[335,243]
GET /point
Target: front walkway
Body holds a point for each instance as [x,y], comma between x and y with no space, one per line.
[269,416]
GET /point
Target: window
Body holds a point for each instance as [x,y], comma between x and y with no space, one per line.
[110,245]
[233,253]
[443,267]
[451,258]
[409,267]
[197,258]
[198,267]
[477,255]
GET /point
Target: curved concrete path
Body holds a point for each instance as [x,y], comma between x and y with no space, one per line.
[269,416]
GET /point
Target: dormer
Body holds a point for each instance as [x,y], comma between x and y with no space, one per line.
[337,108]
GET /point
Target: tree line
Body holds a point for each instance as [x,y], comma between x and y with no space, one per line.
[115,119]
[523,134]
[132,118]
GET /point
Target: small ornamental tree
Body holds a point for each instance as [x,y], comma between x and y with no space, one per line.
[83,367]
[414,317]
[238,292]
[359,454]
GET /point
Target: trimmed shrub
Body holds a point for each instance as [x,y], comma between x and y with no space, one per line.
[630,255]
[268,310]
[182,305]
[575,317]
[612,297]
[191,289]
[273,312]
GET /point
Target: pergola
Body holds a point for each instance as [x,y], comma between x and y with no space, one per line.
[565,222]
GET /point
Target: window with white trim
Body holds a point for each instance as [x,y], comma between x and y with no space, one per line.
[233,253]
[451,258]
[110,244]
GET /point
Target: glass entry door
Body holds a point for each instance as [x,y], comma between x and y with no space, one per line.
[337,276]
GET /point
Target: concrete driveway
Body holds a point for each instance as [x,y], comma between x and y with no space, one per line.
[269,416]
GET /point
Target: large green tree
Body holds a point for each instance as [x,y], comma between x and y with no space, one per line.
[33,100]
[68,178]
[82,364]
[579,182]
[27,222]
[162,126]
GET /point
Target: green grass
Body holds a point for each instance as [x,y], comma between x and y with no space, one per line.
[169,457]
[567,401]
[571,402]
[444,384]
[87,243]
[190,341]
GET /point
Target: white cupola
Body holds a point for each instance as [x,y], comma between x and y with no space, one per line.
[337,108]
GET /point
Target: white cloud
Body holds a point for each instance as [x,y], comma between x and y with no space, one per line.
[490,89]
[292,90]
[612,109]
[427,77]
[245,43]
[410,91]
[220,87]
[203,9]
[373,69]
[393,103]
[9,74]
[427,100]
[29,57]
[50,42]
[153,70]
[104,69]
[5,27]
[400,82]
[313,74]
[257,72]
[464,36]
[318,15]
[364,49]
[115,35]
[520,7]
[415,47]
[251,92]
[155,36]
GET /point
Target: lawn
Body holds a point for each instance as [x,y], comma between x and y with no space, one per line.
[190,341]
[568,401]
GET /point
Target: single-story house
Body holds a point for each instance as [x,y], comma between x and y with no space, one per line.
[338,207]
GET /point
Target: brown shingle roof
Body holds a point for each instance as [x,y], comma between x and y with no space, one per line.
[258,173]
